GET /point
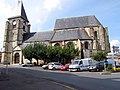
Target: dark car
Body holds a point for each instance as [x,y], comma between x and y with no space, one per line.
[97,66]
[27,65]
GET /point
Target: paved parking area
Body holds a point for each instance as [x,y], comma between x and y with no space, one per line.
[19,81]
[84,73]
[99,75]
[93,80]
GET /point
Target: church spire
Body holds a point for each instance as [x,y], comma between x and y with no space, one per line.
[20,11]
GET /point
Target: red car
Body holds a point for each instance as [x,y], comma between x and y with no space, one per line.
[64,68]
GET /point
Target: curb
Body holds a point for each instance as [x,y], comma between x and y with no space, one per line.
[105,73]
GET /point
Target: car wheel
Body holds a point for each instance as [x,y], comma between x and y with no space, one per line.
[97,70]
[78,69]
[89,70]
[69,70]
[53,68]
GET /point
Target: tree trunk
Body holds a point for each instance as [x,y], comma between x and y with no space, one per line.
[37,62]
[31,61]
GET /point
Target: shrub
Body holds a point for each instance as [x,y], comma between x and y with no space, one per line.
[109,67]
[116,69]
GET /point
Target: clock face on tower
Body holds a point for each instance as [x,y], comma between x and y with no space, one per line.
[14,23]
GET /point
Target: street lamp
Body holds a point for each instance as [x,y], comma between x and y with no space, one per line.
[114,64]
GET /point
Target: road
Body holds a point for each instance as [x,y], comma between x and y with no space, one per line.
[78,80]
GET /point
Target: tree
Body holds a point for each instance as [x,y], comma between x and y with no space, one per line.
[60,54]
[99,56]
[28,52]
[50,53]
[39,51]
[69,53]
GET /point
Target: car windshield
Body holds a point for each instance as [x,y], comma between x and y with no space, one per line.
[67,64]
[94,64]
[75,62]
[100,63]
[49,63]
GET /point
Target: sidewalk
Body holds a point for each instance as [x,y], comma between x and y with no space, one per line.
[17,81]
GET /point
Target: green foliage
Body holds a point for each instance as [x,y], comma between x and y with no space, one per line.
[113,70]
[99,56]
[49,53]
[28,52]
[109,67]
[39,51]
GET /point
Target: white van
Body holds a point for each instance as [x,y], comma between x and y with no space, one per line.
[80,64]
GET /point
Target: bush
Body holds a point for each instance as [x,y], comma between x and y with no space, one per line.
[116,69]
[110,68]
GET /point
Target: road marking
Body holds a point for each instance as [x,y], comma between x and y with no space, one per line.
[71,88]
[116,79]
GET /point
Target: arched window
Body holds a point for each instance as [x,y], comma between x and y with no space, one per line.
[86,45]
[82,52]
[95,35]
[70,44]
[24,27]
[57,45]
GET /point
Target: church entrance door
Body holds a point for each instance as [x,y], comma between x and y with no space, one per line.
[16,59]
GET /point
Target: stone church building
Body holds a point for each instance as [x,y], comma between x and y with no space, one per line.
[86,33]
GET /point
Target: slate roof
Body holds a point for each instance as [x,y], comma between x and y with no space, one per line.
[38,36]
[76,22]
[63,35]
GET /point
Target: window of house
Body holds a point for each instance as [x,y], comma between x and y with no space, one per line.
[95,35]
[23,28]
[57,45]
[70,44]
[86,45]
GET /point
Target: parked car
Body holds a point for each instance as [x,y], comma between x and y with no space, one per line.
[80,64]
[54,66]
[27,65]
[46,66]
[97,66]
[65,67]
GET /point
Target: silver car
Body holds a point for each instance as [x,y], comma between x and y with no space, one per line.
[54,66]
[46,66]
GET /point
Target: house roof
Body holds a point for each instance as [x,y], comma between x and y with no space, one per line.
[20,12]
[38,36]
[62,35]
[76,22]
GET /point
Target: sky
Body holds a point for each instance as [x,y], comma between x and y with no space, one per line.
[42,14]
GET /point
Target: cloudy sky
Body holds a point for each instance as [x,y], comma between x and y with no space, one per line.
[43,13]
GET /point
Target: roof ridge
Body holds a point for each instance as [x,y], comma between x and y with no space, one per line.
[79,22]
[75,17]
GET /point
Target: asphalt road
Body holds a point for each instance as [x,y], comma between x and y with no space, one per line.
[78,80]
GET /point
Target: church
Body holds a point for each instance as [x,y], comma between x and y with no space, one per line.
[84,32]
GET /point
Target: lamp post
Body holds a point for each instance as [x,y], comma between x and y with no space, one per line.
[114,64]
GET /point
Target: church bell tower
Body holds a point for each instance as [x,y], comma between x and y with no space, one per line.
[15,27]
